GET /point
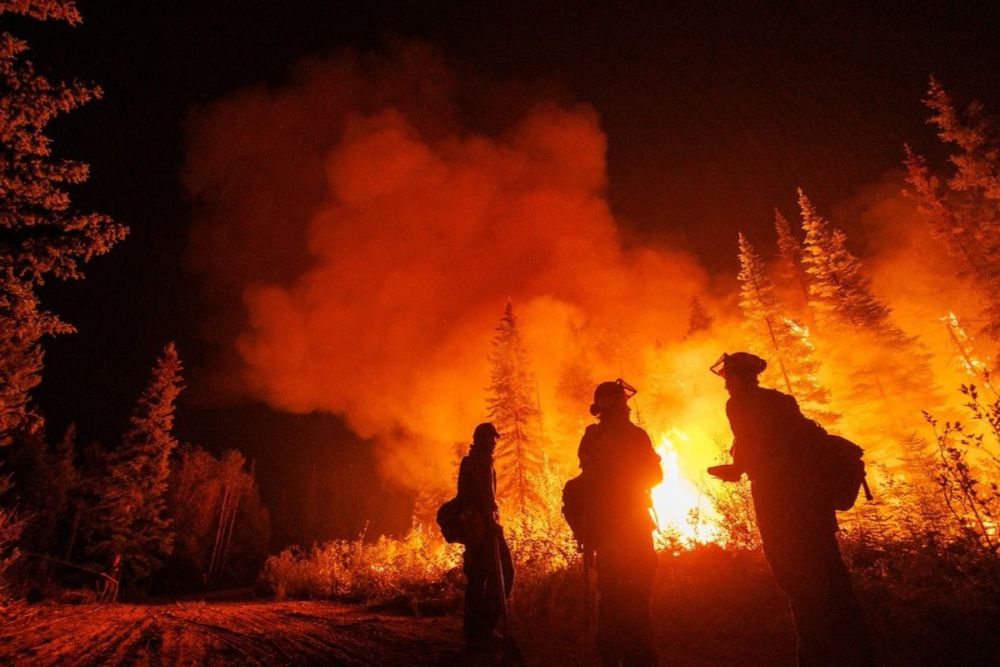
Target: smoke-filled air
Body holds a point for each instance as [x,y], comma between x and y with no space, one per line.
[373,248]
[375,232]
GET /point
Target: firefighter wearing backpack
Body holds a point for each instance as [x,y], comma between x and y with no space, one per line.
[484,542]
[618,469]
[774,444]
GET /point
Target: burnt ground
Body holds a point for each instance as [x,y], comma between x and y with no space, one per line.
[230,633]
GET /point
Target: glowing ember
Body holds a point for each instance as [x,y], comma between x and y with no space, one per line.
[679,506]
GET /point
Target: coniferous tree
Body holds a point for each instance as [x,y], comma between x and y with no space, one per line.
[977,137]
[20,359]
[43,236]
[22,326]
[130,518]
[33,486]
[64,466]
[69,476]
[44,479]
[778,337]
[964,209]
[93,462]
[790,264]
[513,408]
[880,359]
[698,317]
[838,288]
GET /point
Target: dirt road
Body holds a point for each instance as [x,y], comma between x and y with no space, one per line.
[237,633]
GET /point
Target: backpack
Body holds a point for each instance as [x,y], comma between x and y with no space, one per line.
[841,472]
[449,518]
[577,509]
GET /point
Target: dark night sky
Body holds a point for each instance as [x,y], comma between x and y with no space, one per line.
[713,116]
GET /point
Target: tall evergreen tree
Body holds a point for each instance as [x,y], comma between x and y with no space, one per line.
[43,236]
[978,140]
[513,408]
[43,479]
[778,337]
[838,288]
[964,208]
[884,361]
[22,326]
[69,476]
[790,256]
[130,518]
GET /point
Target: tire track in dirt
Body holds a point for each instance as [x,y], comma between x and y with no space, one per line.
[255,633]
[226,644]
[110,646]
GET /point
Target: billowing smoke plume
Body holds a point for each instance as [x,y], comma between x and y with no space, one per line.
[361,228]
[360,235]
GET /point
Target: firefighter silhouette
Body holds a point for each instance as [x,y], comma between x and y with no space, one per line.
[487,564]
[618,469]
[771,441]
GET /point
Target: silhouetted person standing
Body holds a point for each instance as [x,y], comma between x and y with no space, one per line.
[485,543]
[772,442]
[619,467]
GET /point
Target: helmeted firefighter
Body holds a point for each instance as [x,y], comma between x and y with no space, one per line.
[487,557]
[618,469]
[774,444]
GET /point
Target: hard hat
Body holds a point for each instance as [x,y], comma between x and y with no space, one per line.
[607,393]
[738,363]
[485,430]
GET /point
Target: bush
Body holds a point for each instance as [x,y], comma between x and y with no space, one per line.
[419,571]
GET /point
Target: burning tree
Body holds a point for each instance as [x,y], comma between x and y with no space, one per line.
[838,289]
[857,332]
[130,518]
[964,346]
[513,408]
[964,209]
[842,299]
[43,236]
[790,265]
[778,337]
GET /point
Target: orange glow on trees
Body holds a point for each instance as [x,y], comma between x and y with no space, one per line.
[374,239]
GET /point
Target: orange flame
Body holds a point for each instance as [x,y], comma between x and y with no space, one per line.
[679,506]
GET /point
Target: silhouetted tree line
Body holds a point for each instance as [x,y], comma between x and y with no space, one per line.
[66,515]
[173,515]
